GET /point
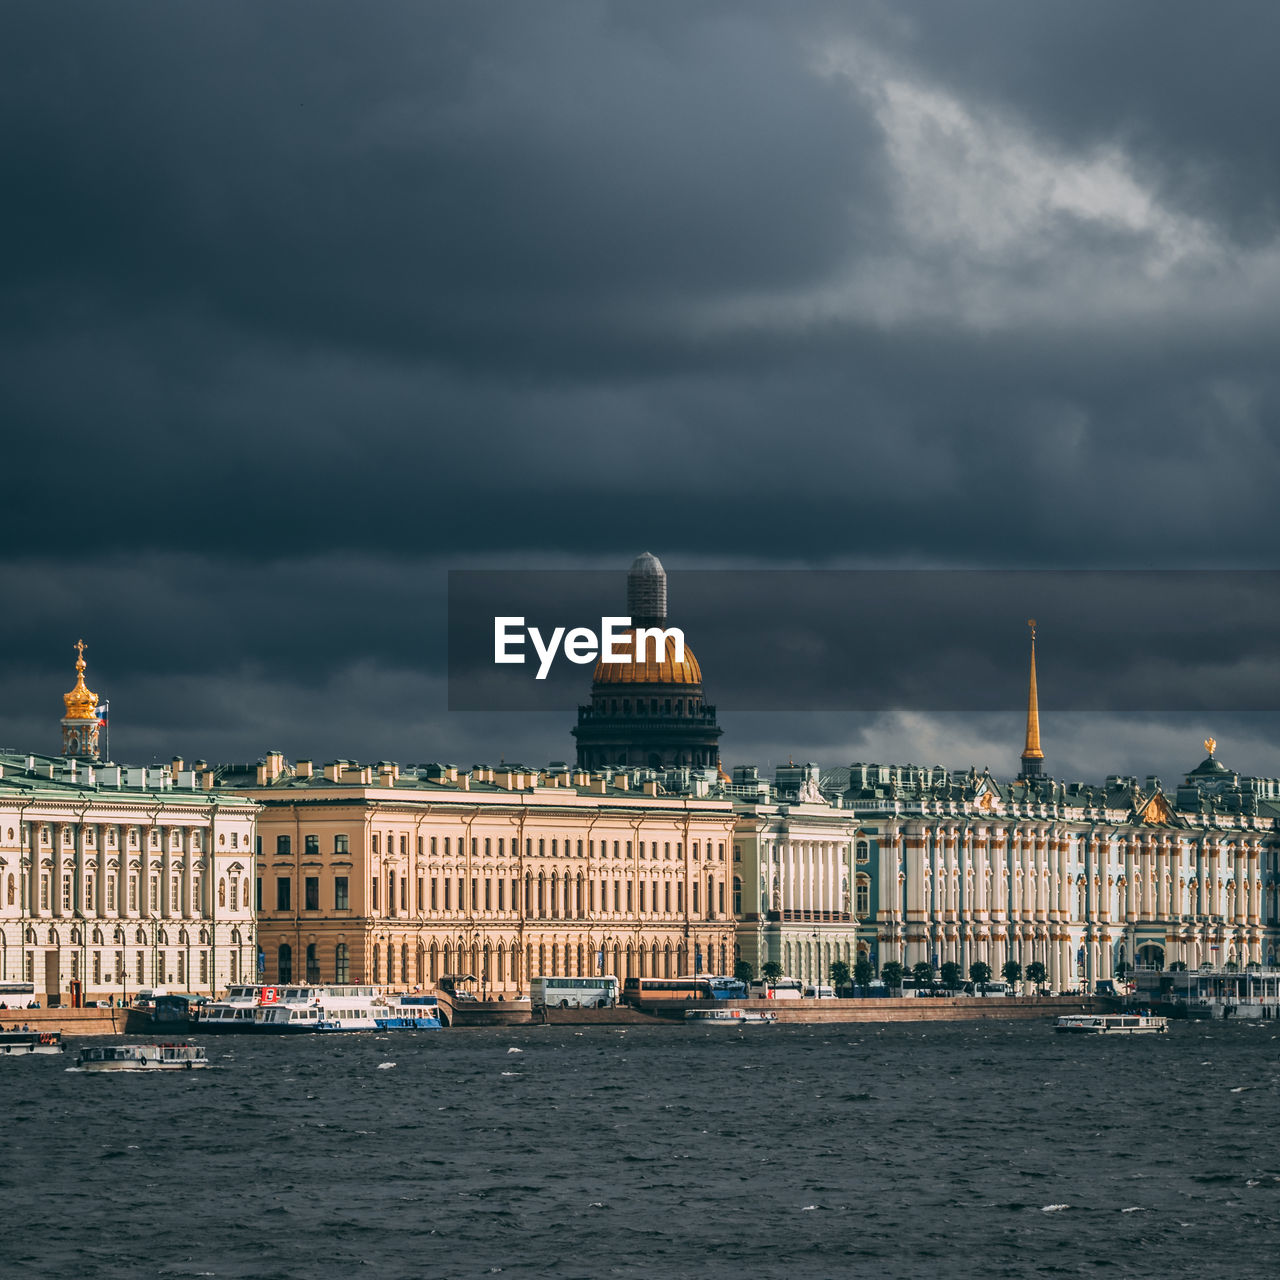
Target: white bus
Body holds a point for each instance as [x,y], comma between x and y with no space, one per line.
[776,989]
[575,993]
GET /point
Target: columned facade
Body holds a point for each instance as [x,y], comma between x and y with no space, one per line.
[395,877]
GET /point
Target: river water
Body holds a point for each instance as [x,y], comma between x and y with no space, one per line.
[943,1150]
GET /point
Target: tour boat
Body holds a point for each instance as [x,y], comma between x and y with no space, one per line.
[315,1009]
[727,1017]
[142,1057]
[23,1042]
[234,1013]
[408,1013]
[1124,1024]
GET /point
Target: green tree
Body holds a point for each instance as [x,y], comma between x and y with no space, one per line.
[1178,966]
[1121,969]
[952,975]
[839,973]
[922,974]
[744,971]
[892,973]
[1011,972]
[771,970]
[1037,973]
[979,971]
[863,972]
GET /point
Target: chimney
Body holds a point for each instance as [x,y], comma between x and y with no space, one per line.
[206,780]
[333,770]
[178,766]
[304,768]
[621,781]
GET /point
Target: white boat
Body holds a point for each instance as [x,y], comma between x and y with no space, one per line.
[234,1013]
[142,1057]
[407,1013]
[1112,1024]
[314,1009]
[16,1043]
[728,1017]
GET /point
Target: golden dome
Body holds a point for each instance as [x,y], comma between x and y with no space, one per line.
[667,671]
[82,702]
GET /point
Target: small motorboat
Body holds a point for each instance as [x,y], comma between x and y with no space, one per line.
[1104,1024]
[13,1043]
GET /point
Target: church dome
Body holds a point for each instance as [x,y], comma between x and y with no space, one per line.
[82,702]
[665,671]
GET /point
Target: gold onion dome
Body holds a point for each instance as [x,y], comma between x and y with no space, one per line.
[666,671]
[82,702]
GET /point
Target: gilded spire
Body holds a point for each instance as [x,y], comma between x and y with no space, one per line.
[1031,752]
[82,702]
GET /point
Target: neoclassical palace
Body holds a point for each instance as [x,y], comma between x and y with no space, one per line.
[395,876]
[923,864]
[115,879]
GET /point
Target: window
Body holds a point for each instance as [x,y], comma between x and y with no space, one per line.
[97,968]
[111,892]
[313,963]
[311,846]
[235,840]
[434,880]
[341,895]
[141,960]
[235,894]
[375,842]
[862,905]
[204,967]
[182,968]
[737,895]
[311,893]
[341,845]
[257,895]
[421,896]
[66,893]
[133,893]
[374,892]
[864,851]
[284,893]
[284,846]
[341,963]
[44,893]
[175,903]
[404,893]
[284,964]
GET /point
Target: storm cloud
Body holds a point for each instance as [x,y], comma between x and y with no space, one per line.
[302,306]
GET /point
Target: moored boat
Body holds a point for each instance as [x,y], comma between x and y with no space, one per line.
[17,1043]
[408,1013]
[142,1057]
[729,1017]
[1124,1024]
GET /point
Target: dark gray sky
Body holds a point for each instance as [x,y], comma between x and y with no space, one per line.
[304,305]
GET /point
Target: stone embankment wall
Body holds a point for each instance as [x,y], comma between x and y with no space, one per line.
[960,1009]
[71,1022]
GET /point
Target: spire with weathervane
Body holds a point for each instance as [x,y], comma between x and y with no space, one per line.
[80,725]
[1032,756]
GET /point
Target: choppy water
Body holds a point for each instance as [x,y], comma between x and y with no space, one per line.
[952,1151]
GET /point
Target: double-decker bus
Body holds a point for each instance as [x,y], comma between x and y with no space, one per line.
[642,991]
[600,992]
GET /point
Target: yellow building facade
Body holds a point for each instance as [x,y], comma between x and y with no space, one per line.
[374,874]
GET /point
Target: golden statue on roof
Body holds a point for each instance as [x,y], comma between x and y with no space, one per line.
[82,702]
[1210,744]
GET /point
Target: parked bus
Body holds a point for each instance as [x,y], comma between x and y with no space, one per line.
[777,989]
[17,995]
[642,991]
[725,988]
[600,992]
[987,989]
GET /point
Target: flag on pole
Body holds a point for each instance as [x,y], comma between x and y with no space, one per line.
[101,712]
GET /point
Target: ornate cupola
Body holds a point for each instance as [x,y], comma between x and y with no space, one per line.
[1032,756]
[80,725]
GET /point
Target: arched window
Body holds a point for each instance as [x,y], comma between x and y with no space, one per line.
[313,963]
[341,963]
[863,851]
[284,964]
